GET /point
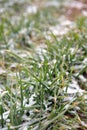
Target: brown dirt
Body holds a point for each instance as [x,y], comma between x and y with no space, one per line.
[73,12]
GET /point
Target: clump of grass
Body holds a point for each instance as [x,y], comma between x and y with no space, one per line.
[37,99]
[35,91]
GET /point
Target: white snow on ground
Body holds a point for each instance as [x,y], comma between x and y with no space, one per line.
[2,71]
[52,3]
[62,28]
[76,4]
[31,9]
[84,12]
[74,87]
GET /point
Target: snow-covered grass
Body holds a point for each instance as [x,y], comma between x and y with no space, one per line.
[43,75]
